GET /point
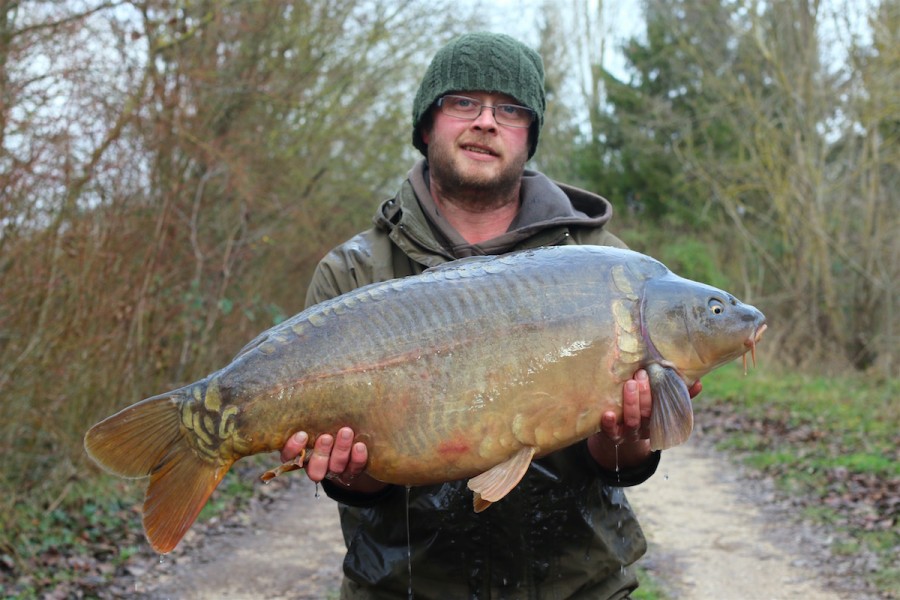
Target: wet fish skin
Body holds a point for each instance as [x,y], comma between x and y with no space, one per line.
[468,370]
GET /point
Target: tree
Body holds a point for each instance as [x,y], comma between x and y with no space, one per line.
[742,122]
[866,159]
[794,170]
[169,179]
[663,109]
[560,136]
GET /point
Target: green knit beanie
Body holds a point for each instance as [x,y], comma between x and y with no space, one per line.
[484,62]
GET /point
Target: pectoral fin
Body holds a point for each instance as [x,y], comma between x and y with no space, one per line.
[672,416]
[497,482]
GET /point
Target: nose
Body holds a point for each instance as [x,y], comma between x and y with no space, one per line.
[751,314]
[485,118]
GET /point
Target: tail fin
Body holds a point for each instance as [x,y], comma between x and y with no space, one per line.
[148,439]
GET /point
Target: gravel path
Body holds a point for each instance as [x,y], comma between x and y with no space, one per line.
[290,548]
[713,535]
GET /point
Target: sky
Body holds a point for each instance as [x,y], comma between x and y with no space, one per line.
[622,21]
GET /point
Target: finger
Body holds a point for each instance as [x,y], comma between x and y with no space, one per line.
[359,458]
[646,397]
[340,454]
[293,446]
[317,467]
[609,426]
[631,405]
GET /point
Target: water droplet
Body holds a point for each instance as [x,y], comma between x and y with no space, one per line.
[162,558]
[618,475]
[408,546]
[317,490]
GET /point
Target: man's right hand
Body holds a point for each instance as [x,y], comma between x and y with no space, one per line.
[337,459]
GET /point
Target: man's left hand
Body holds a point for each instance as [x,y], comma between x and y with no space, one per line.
[625,443]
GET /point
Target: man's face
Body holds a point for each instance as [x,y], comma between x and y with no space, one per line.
[479,156]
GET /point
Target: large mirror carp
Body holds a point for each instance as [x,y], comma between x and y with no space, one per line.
[468,370]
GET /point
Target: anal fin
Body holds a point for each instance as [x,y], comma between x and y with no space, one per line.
[498,481]
[672,415]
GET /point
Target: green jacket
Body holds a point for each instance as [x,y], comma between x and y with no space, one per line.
[566,531]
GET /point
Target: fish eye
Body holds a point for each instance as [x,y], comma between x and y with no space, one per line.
[716,306]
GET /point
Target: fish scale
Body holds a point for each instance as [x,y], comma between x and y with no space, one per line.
[469,370]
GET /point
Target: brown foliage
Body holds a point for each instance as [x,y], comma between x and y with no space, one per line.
[168,182]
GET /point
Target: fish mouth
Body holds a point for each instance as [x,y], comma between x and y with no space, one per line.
[751,342]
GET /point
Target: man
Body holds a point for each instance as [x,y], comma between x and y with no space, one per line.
[566,531]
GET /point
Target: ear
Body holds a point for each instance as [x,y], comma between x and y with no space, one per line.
[426,125]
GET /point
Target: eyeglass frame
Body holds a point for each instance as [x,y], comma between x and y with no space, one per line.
[440,104]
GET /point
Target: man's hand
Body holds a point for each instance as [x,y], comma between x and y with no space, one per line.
[337,459]
[625,443]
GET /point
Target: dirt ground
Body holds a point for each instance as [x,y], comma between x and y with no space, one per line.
[288,548]
[713,535]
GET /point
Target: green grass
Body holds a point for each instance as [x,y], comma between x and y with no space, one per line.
[830,441]
[650,587]
[809,423]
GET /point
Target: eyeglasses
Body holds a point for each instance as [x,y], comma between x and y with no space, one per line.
[462,107]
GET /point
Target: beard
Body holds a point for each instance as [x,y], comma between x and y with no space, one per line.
[475,188]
